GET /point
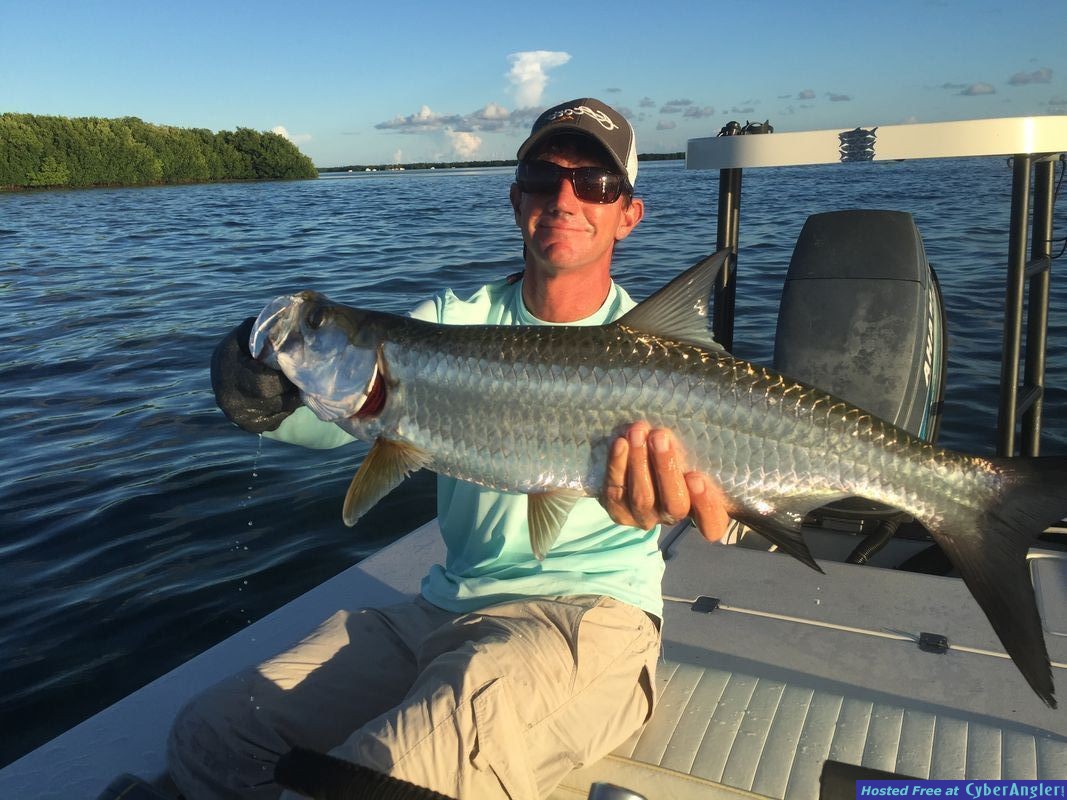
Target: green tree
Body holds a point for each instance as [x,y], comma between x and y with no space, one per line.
[51,173]
[91,151]
[20,149]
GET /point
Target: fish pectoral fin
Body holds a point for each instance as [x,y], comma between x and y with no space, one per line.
[384,468]
[780,529]
[545,514]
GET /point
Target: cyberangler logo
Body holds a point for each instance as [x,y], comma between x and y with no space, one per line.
[569,113]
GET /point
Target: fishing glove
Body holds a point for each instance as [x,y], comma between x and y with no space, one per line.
[250,394]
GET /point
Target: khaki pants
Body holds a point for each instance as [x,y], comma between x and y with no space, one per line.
[498,703]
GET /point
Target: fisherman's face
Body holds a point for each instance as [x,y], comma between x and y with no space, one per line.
[565,233]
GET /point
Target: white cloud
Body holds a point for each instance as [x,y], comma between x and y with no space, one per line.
[675,106]
[807,94]
[495,111]
[976,89]
[528,74]
[422,120]
[1043,75]
[398,156]
[464,143]
[295,138]
[666,125]
[697,112]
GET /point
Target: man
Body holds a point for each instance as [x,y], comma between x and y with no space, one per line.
[506,672]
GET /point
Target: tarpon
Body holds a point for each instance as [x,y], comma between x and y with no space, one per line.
[535,410]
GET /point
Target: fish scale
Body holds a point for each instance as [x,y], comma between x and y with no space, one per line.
[535,409]
[539,404]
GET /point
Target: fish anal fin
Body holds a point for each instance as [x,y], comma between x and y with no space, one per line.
[545,514]
[782,530]
[384,468]
[680,309]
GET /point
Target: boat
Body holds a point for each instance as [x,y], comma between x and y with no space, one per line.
[776,682]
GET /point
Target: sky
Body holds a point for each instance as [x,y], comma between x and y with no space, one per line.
[393,81]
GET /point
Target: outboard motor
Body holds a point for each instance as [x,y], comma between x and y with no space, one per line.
[862,318]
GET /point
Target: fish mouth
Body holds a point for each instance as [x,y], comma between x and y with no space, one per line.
[273,327]
[336,381]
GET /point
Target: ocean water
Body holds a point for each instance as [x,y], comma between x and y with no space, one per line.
[139,526]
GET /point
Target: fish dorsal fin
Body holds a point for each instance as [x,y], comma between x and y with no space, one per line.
[545,514]
[384,468]
[680,309]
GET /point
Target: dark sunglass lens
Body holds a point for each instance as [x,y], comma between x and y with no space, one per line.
[595,185]
[591,184]
[538,177]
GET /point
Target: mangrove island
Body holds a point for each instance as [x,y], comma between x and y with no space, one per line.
[50,151]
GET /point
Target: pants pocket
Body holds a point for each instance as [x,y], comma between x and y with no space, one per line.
[500,744]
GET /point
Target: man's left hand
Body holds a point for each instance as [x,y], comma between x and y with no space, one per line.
[646,484]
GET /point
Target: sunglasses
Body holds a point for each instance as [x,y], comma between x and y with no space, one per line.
[591,184]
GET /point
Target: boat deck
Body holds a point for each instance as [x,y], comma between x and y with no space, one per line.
[790,669]
[793,668]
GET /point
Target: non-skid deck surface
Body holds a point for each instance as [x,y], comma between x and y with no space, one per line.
[795,668]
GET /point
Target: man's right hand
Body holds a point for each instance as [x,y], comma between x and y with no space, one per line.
[646,483]
[254,396]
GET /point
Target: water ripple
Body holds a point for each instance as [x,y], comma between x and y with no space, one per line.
[135,532]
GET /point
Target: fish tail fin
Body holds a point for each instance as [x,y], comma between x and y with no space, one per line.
[993,563]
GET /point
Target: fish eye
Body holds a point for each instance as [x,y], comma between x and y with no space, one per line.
[315,317]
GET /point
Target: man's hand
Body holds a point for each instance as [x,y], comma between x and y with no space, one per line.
[250,394]
[645,485]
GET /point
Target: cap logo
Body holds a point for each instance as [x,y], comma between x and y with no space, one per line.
[600,116]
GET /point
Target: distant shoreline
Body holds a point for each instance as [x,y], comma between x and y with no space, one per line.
[52,152]
[427,165]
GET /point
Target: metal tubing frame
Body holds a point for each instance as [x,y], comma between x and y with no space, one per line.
[1038,271]
[1037,305]
[1013,306]
[729,222]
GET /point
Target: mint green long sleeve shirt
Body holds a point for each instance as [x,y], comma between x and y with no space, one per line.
[488,558]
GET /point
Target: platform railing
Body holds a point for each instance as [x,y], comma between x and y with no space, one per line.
[1020,406]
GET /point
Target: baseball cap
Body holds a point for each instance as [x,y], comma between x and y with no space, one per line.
[592,118]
